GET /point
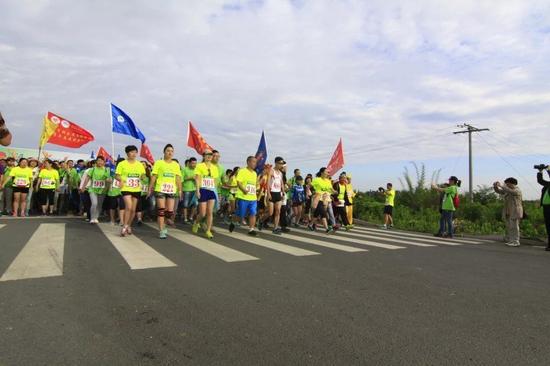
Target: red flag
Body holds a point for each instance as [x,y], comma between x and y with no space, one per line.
[105,154]
[337,161]
[65,133]
[195,140]
[146,154]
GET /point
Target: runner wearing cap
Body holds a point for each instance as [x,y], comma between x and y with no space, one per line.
[275,191]
[247,204]
[206,177]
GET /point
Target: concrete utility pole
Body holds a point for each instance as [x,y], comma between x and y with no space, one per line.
[469,129]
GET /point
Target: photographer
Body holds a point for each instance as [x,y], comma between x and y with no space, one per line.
[448,206]
[512,212]
[389,193]
[545,199]
[5,135]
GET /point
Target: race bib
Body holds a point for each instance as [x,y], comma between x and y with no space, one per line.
[132,182]
[168,188]
[208,183]
[21,182]
[99,184]
[144,188]
[46,182]
[116,183]
[251,188]
[276,185]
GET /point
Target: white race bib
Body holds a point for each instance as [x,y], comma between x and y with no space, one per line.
[251,188]
[144,188]
[21,182]
[208,183]
[132,182]
[99,184]
[168,188]
[46,182]
[116,183]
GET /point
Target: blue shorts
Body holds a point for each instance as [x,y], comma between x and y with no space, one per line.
[189,199]
[207,195]
[246,206]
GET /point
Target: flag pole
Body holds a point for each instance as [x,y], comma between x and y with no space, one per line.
[112,133]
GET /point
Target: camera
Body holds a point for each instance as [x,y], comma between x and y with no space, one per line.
[541,167]
[380,189]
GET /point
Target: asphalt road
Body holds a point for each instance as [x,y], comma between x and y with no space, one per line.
[467,304]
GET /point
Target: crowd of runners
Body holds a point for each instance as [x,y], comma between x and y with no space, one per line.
[258,199]
[194,191]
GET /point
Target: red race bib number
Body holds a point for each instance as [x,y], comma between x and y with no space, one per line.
[46,182]
[251,189]
[21,182]
[98,184]
[168,188]
[132,182]
[116,183]
[208,183]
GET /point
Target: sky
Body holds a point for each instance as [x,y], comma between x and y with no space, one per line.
[393,79]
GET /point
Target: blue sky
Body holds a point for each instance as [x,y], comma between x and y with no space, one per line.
[392,78]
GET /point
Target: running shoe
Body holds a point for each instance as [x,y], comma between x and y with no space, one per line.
[209,234]
[139,223]
[129,230]
[123,232]
[329,230]
[277,231]
[231,227]
[163,234]
[349,227]
[195,228]
[252,232]
[285,229]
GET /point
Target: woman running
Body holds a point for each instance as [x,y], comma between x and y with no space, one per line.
[48,183]
[129,173]
[321,199]
[98,179]
[206,175]
[21,180]
[166,183]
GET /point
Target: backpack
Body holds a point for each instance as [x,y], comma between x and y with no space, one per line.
[456,200]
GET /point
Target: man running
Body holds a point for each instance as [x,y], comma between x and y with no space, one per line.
[274,193]
[247,204]
[166,183]
[189,188]
[129,173]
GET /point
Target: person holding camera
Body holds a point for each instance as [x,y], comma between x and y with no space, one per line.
[545,199]
[448,206]
[512,212]
[389,194]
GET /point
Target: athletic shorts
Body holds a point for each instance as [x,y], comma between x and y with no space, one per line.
[246,207]
[142,204]
[133,194]
[276,197]
[112,202]
[46,196]
[20,189]
[388,210]
[189,199]
[207,195]
[164,195]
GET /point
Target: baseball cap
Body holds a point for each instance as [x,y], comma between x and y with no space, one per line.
[279,159]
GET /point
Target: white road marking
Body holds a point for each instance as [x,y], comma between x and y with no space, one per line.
[424,237]
[208,246]
[344,248]
[355,241]
[299,252]
[375,237]
[2,225]
[135,251]
[42,256]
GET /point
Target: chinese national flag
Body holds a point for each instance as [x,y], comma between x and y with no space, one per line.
[146,154]
[195,140]
[105,154]
[59,131]
[337,161]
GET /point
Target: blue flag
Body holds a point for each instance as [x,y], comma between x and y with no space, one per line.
[92,156]
[261,155]
[124,125]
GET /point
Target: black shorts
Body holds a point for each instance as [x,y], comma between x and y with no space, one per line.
[20,189]
[112,202]
[320,211]
[388,210]
[46,196]
[276,197]
[136,195]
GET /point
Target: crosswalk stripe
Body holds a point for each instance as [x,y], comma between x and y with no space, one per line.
[135,252]
[2,225]
[344,248]
[356,241]
[42,256]
[299,252]
[423,237]
[217,250]
[376,237]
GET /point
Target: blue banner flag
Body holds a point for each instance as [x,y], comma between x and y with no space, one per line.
[124,125]
[261,154]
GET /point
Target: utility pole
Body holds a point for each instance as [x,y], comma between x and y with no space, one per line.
[469,129]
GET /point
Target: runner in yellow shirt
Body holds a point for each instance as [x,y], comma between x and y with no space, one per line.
[21,180]
[48,183]
[389,193]
[166,184]
[129,173]
[247,201]
[206,176]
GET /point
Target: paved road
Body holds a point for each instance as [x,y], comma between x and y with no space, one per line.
[75,294]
